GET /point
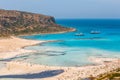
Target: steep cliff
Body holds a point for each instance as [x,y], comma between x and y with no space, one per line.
[17,23]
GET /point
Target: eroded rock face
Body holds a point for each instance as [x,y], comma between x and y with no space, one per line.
[15,23]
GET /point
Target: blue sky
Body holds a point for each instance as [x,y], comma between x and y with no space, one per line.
[67,8]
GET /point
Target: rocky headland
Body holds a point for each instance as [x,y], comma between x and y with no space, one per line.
[14,22]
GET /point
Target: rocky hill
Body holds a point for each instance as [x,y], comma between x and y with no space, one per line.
[14,22]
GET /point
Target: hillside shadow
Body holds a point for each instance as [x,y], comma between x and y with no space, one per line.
[43,74]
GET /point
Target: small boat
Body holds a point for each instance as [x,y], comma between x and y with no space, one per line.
[95,32]
[79,34]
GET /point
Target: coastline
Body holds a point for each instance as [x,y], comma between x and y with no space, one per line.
[72,30]
[13,46]
[69,73]
[105,65]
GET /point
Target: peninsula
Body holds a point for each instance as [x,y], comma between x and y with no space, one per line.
[14,22]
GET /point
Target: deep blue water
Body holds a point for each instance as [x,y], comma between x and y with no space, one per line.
[77,49]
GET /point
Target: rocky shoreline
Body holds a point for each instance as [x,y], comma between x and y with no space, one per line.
[16,23]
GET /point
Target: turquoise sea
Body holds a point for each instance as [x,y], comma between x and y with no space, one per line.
[72,50]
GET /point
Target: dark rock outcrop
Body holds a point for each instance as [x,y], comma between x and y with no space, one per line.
[18,23]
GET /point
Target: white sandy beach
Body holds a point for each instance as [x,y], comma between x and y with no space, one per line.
[69,73]
[13,46]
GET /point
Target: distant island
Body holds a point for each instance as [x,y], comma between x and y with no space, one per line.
[14,22]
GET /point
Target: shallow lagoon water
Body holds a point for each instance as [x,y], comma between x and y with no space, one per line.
[71,50]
